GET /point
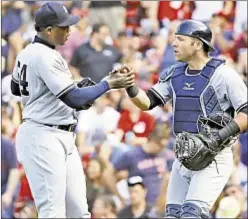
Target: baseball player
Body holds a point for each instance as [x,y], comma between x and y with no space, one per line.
[45,141]
[199,86]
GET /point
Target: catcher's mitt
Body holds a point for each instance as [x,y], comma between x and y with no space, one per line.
[197,151]
[193,152]
[86,82]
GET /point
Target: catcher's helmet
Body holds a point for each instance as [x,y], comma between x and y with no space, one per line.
[213,123]
[196,29]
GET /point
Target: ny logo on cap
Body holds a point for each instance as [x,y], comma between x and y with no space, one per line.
[65,9]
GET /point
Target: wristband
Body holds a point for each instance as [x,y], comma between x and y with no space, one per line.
[132,91]
[231,130]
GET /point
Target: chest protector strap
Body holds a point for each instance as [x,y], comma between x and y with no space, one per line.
[188,90]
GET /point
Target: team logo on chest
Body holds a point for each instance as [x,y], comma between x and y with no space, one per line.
[188,86]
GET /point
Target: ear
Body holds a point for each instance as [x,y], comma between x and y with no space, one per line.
[49,30]
[199,45]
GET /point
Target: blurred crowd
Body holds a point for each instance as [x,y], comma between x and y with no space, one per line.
[127,154]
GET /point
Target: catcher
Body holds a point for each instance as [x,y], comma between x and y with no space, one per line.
[210,110]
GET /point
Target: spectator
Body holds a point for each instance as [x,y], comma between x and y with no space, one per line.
[92,127]
[122,43]
[94,181]
[134,125]
[240,16]
[229,10]
[149,23]
[237,192]
[133,16]
[9,177]
[240,42]
[239,171]
[244,151]
[104,207]
[95,59]
[27,29]
[25,198]
[138,207]
[174,10]
[27,211]
[158,210]
[169,57]
[11,118]
[152,60]
[115,11]
[205,9]
[148,161]
[228,208]
[7,58]
[239,51]
[11,14]
[223,38]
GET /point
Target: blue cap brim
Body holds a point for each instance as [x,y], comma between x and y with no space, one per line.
[71,20]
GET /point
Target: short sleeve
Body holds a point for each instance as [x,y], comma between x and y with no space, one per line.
[56,75]
[122,162]
[162,89]
[236,89]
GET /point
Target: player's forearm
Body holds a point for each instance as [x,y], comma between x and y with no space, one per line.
[235,127]
[78,97]
[242,121]
[13,180]
[141,99]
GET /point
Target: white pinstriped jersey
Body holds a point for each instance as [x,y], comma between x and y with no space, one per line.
[229,87]
[43,76]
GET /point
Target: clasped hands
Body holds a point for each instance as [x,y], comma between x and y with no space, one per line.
[122,77]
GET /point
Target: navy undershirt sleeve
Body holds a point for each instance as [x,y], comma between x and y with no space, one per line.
[77,97]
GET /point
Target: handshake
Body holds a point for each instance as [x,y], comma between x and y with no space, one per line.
[122,77]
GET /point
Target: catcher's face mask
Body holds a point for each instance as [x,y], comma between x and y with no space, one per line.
[213,123]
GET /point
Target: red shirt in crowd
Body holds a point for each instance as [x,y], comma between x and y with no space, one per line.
[141,128]
[184,10]
[132,15]
[240,43]
[25,192]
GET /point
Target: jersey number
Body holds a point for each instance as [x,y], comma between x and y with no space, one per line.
[23,82]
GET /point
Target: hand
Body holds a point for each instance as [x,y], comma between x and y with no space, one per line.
[121,78]
[213,141]
[123,69]
[6,200]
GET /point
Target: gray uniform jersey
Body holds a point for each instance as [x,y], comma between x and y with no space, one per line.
[230,89]
[43,76]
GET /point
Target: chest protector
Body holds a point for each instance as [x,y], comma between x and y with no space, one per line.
[192,95]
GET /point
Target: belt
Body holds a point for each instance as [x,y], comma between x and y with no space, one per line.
[69,128]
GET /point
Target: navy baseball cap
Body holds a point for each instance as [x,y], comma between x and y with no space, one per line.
[54,14]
